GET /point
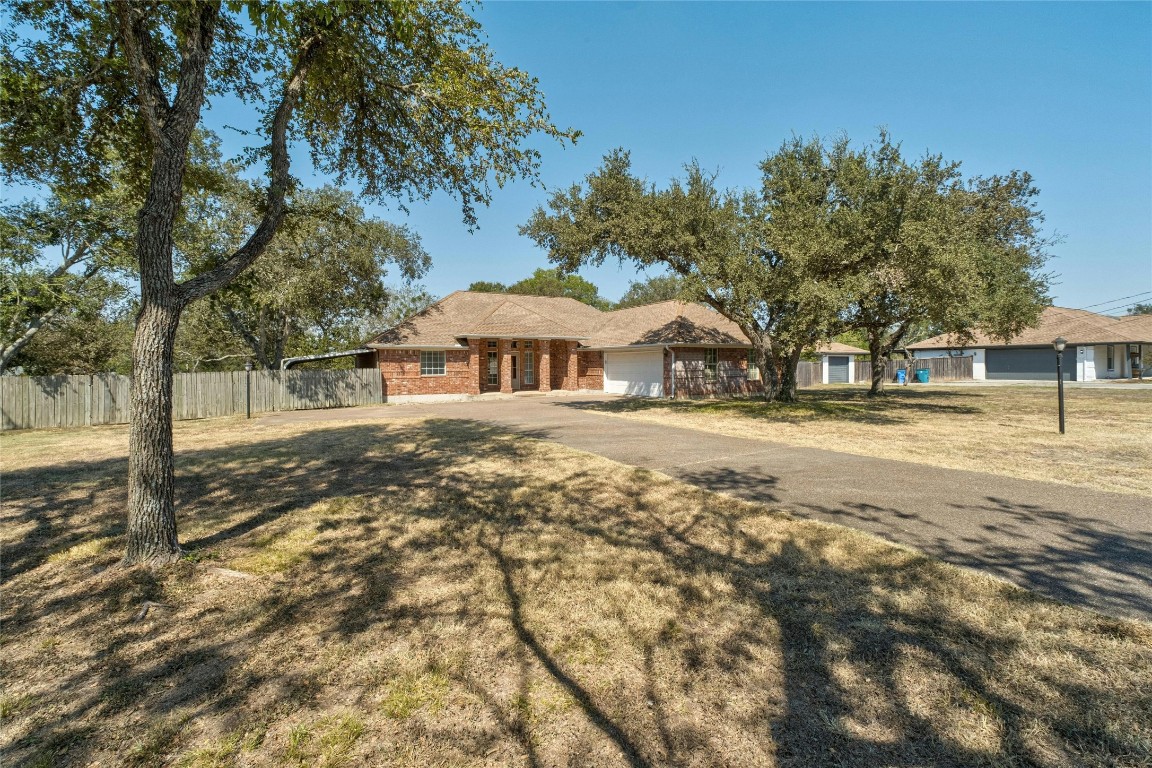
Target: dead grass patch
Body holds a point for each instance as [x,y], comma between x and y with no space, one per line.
[1003,430]
[445,593]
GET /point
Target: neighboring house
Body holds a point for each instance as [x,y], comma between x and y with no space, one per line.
[1098,347]
[838,362]
[470,343]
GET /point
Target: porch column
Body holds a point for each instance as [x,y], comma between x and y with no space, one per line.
[505,346]
[573,382]
[544,351]
[475,371]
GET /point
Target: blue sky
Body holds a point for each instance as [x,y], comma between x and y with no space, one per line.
[1061,90]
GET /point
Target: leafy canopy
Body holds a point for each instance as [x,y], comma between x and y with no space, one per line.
[655,289]
[323,274]
[403,98]
[548,282]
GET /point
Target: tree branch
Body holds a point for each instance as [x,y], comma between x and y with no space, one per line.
[217,278]
[9,351]
[142,59]
[245,334]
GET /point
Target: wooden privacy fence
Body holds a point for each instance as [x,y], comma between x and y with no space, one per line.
[809,374]
[939,368]
[37,402]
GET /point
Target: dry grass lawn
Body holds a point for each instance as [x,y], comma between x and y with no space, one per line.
[1003,430]
[446,594]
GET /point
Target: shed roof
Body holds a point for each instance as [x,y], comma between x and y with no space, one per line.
[836,348]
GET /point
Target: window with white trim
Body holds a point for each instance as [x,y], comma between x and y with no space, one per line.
[529,366]
[753,365]
[493,369]
[1111,357]
[432,363]
[711,363]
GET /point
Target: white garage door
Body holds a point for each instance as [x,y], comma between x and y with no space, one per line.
[634,373]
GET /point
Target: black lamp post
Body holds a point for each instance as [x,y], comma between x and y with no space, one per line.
[248,389]
[1058,344]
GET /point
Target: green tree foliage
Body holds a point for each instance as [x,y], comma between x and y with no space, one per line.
[1140,309]
[935,251]
[655,289]
[718,242]
[403,301]
[549,282]
[553,282]
[87,338]
[316,282]
[403,98]
[487,286]
[835,240]
[60,259]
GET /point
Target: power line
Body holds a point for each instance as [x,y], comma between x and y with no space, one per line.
[1122,298]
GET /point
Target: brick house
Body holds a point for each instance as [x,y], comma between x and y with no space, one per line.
[471,343]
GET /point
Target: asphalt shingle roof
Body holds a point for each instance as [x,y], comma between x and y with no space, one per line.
[836,348]
[466,314]
[1077,326]
[666,322]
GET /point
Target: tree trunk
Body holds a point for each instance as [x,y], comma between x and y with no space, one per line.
[152,536]
[880,355]
[778,372]
[769,370]
[788,378]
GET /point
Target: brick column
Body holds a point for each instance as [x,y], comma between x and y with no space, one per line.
[476,365]
[505,346]
[545,371]
[573,382]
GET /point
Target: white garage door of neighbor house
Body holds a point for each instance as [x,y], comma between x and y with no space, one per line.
[634,373]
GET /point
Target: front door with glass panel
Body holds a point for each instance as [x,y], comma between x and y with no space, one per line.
[515,358]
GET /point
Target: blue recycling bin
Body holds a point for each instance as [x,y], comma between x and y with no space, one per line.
[901,376]
[922,375]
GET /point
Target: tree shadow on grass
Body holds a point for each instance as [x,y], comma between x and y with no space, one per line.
[676,627]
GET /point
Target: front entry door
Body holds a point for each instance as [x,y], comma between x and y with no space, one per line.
[515,371]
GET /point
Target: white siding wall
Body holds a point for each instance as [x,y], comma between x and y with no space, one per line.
[1122,366]
[1086,363]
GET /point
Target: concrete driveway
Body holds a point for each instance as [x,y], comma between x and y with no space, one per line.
[1080,546]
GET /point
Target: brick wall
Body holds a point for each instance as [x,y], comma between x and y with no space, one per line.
[590,370]
[400,369]
[731,378]
[558,358]
[555,365]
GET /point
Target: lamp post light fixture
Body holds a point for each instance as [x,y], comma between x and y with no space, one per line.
[1058,344]
[248,388]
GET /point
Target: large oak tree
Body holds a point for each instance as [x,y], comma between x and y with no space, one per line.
[403,98]
[731,249]
[934,250]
